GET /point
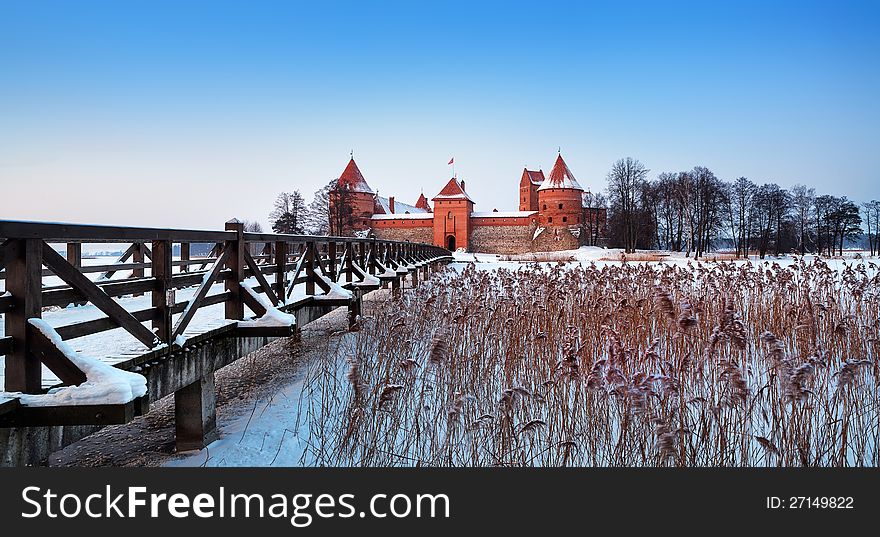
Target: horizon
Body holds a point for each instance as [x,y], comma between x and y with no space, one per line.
[208,111]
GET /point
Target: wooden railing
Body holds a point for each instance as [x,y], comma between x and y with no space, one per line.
[291,260]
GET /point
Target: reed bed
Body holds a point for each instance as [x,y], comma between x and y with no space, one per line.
[709,364]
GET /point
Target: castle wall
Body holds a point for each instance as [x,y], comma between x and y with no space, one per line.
[405,232]
[555,238]
[502,238]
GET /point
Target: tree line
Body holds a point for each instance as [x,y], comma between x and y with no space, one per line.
[290,213]
[695,212]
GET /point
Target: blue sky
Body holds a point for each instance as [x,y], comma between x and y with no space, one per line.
[215,107]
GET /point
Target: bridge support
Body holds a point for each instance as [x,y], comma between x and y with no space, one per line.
[354,311]
[195,414]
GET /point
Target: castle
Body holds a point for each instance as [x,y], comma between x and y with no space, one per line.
[551,215]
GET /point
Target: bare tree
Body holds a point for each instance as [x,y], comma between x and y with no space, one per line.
[594,220]
[317,215]
[872,222]
[626,184]
[772,207]
[740,197]
[803,200]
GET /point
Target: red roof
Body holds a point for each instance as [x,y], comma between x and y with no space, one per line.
[561,177]
[422,203]
[453,190]
[352,179]
[535,177]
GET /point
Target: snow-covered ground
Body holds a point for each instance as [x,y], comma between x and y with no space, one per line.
[612,256]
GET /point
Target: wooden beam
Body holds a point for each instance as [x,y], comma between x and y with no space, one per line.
[122,259]
[97,297]
[49,416]
[251,302]
[195,302]
[258,274]
[46,352]
[54,232]
[299,266]
[264,331]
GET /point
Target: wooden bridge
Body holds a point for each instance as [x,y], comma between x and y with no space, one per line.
[173,317]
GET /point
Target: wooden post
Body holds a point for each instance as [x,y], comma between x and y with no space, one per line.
[354,311]
[138,257]
[24,276]
[235,262]
[371,258]
[362,254]
[349,262]
[74,254]
[281,270]
[195,414]
[331,258]
[184,256]
[74,257]
[310,268]
[163,290]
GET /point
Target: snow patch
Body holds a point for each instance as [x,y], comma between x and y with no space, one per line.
[104,385]
[272,317]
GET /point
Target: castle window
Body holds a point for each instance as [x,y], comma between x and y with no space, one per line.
[560,205]
[449,215]
[545,206]
[565,219]
[549,219]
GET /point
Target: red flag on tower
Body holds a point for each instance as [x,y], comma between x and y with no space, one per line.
[451,160]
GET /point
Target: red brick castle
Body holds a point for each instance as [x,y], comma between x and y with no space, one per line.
[551,215]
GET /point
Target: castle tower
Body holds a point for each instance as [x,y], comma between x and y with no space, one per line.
[352,202]
[560,201]
[452,216]
[528,189]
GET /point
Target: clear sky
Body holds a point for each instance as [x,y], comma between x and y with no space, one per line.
[184,114]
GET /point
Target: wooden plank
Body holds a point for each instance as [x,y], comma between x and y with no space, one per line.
[23,267]
[93,326]
[196,301]
[97,297]
[47,416]
[299,266]
[54,232]
[8,404]
[44,350]
[251,302]
[258,274]
[121,259]
[264,331]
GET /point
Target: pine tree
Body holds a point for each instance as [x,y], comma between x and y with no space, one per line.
[288,214]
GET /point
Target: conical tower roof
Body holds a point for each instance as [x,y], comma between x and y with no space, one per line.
[560,177]
[352,179]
